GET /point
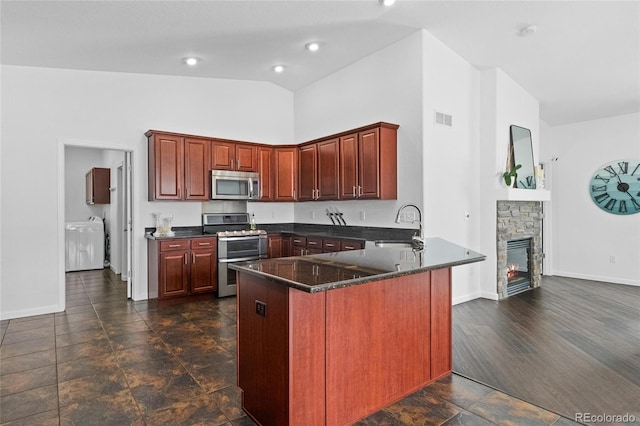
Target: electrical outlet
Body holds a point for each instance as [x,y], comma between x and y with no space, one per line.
[410,216]
[313,214]
[612,259]
[261,308]
[362,216]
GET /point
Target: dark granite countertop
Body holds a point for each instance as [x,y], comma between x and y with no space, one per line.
[322,272]
[180,232]
[366,233]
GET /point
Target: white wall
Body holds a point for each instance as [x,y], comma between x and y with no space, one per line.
[450,157]
[584,236]
[502,103]
[385,86]
[43,109]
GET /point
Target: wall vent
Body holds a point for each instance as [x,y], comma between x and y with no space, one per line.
[443,119]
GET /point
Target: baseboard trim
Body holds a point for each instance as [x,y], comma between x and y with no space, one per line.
[43,310]
[473,296]
[609,280]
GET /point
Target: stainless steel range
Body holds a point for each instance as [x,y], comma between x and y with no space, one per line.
[236,243]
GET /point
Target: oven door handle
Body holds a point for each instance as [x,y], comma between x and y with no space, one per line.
[238,259]
[244,237]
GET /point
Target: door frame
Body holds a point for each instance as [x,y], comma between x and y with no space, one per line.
[81,143]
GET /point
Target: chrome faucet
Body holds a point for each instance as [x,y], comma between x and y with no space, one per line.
[417,239]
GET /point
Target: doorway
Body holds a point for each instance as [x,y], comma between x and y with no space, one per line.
[117,215]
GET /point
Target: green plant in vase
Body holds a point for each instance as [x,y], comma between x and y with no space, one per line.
[511,173]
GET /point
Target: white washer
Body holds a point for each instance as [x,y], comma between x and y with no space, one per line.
[84,245]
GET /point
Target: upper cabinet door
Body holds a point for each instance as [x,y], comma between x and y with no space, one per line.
[307,164]
[234,156]
[246,157]
[328,170]
[223,155]
[286,173]
[196,168]
[166,162]
[349,167]
[369,164]
[265,169]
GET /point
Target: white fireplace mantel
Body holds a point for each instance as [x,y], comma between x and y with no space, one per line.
[518,194]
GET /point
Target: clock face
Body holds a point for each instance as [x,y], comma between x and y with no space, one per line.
[615,187]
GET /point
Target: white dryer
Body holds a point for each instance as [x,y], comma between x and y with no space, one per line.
[84,245]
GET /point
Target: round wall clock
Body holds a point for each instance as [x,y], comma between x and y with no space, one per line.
[615,187]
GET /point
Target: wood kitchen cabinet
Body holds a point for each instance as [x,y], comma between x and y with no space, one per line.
[229,155]
[285,177]
[265,169]
[357,164]
[318,171]
[181,267]
[204,265]
[274,246]
[368,163]
[166,166]
[178,167]
[196,168]
[303,245]
[307,172]
[97,186]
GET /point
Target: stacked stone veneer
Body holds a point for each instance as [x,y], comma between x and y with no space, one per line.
[518,220]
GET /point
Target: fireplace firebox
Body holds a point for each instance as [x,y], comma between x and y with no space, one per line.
[518,266]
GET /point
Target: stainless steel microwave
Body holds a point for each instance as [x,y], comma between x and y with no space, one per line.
[231,185]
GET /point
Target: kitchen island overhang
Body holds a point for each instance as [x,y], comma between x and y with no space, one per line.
[329,339]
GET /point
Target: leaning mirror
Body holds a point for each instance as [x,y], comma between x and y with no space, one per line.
[522,148]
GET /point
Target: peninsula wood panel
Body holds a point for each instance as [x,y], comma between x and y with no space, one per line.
[307,358]
[378,345]
[263,350]
[441,354]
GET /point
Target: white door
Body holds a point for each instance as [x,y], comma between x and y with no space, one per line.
[126,238]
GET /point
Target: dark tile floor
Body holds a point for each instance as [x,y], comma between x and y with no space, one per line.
[109,361]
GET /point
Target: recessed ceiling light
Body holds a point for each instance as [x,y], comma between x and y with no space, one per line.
[312,47]
[278,68]
[387,3]
[528,30]
[191,61]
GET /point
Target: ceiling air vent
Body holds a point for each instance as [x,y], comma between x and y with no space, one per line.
[443,119]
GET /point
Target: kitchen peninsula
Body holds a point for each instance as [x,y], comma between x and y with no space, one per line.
[331,338]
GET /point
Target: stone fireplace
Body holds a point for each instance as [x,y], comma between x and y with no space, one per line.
[519,227]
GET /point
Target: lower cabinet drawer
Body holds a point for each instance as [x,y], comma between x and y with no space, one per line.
[169,245]
[203,243]
[351,245]
[331,245]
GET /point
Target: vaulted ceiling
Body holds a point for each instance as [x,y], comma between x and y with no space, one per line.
[582,63]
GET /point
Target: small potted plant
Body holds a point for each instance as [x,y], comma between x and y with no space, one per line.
[511,173]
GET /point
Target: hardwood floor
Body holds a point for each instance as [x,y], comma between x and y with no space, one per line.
[570,346]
